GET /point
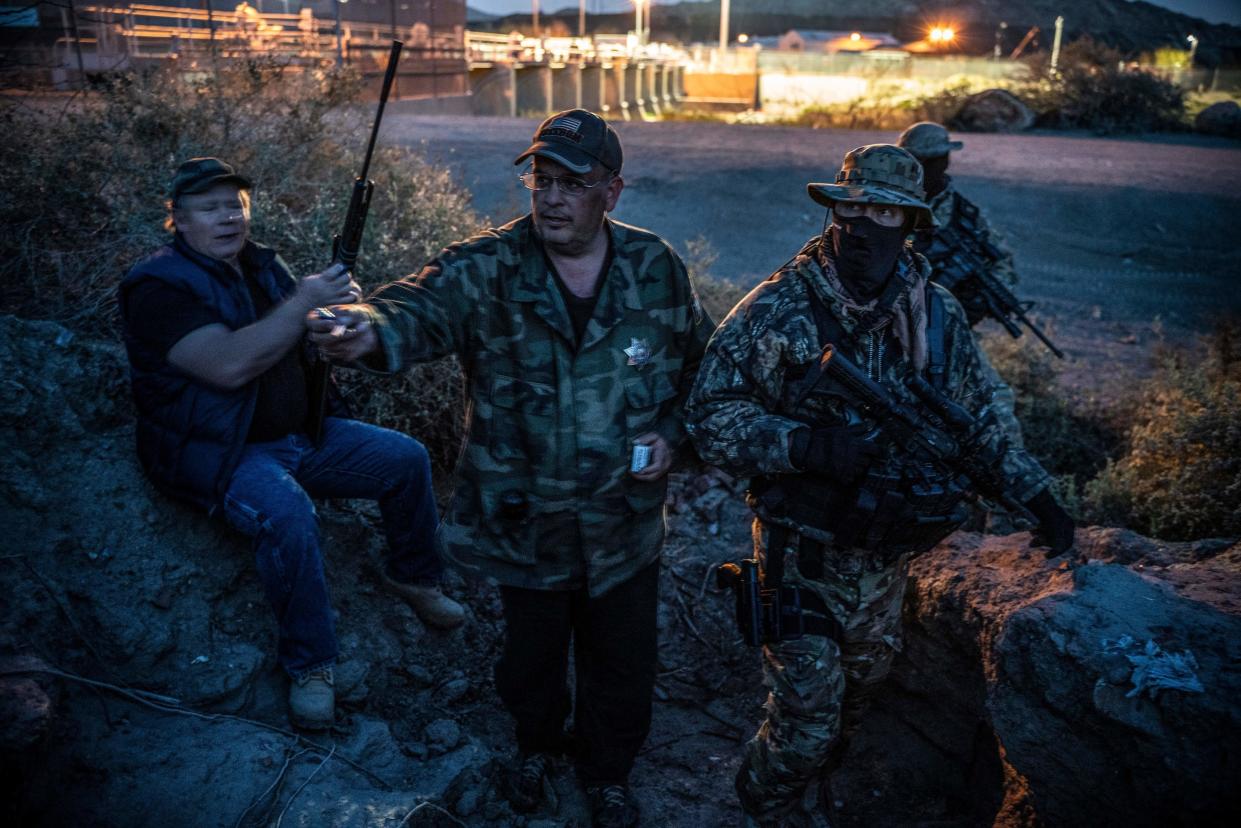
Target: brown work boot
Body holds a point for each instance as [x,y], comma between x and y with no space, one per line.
[432,605]
[312,701]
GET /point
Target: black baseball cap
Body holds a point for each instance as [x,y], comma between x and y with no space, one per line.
[576,139]
[199,174]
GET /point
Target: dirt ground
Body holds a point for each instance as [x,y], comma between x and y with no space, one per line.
[1122,242]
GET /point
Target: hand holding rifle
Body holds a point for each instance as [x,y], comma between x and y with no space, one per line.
[339,333]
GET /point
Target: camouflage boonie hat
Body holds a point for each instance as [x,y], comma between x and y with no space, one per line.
[878,174]
[927,139]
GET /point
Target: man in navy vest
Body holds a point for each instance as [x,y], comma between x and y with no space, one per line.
[214,328]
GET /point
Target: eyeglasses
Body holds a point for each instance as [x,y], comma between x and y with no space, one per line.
[570,185]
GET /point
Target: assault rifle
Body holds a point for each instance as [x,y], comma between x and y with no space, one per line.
[347,243]
[951,437]
[963,264]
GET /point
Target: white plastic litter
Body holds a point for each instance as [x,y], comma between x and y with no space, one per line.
[1155,669]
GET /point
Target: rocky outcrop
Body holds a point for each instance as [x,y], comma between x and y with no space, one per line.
[1101,694]
[1222,118]
[138,687]
[107,581]
[993,110]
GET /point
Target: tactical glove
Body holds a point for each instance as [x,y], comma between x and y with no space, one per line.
[1055,527]
[837,453]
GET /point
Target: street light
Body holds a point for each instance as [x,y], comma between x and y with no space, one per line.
[1193,49]
[999,36]
[638,19]
[340,44]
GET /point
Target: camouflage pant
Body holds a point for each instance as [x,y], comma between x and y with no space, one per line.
[818,686]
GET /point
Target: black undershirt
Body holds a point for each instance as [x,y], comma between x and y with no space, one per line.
[580,308]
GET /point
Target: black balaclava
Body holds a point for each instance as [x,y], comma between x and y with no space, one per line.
[866,253]
[935,174]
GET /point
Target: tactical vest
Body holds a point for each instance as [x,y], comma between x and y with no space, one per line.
[906,505]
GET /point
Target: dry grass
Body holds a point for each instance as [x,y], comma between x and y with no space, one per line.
[1179,474]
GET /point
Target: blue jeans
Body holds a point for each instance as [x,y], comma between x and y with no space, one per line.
[268,500]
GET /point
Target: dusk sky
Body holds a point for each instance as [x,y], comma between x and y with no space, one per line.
[1215,11]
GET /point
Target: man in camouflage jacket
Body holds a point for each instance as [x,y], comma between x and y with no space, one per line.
[929,143]
[749,414]
[579,337]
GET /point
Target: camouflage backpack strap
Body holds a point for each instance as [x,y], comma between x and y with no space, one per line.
[829,329]
[936,358]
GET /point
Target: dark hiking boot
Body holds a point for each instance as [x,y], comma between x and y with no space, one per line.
[312,700]
[612,806]
[526,785]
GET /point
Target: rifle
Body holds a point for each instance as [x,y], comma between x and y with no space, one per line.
[951,438]
[347,243]
[963,262]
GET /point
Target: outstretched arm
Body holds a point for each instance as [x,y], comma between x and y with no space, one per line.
[227,358]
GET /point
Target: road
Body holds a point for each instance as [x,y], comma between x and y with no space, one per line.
[1104,230]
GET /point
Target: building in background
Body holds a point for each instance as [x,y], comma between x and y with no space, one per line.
[62,44]
[830,42]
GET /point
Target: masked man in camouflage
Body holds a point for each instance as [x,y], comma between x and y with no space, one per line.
[929,143]
[818,463]
[579,337]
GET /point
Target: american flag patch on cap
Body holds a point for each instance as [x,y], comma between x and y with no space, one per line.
[571,124]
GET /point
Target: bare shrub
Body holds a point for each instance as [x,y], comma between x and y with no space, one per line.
[890,108]
[1072,441]
[1094,88]
[1179,477]
[85,187]
[716,294]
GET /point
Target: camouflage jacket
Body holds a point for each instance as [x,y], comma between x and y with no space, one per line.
[743,407]
[549,424]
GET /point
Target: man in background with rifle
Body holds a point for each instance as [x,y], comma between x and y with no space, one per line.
[965,257]
[851,392]
[220,368]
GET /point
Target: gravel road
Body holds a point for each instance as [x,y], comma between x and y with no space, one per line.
[1104,230]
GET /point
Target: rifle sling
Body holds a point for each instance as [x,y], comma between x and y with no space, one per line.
[830,330]
[936,358]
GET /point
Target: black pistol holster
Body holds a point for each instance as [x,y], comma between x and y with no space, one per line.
[767,610]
